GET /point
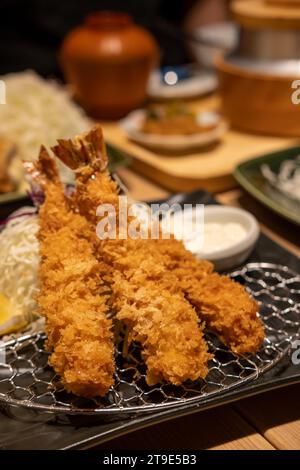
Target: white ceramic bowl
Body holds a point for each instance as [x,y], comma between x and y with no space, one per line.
[237,253]
[234,255]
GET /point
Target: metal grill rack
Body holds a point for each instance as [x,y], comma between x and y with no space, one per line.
[26,379]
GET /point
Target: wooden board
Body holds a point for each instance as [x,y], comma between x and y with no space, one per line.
[276,416]
[210,169]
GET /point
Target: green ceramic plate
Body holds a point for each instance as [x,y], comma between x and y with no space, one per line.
[249,175]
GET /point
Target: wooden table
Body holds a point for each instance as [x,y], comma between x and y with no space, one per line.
[269,421]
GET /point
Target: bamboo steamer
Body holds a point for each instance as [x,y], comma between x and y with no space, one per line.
[256,79]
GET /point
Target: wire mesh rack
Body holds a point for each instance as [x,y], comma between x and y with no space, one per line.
[27,380]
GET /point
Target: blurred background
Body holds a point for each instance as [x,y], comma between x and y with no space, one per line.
[31,31]
[185,91]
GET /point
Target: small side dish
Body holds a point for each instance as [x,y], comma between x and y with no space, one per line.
[176,119]
[173,127]
[226,235]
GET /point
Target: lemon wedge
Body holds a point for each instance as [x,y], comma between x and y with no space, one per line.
[10,319]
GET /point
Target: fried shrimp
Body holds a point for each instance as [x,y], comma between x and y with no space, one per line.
[71,297]
[224,305]
[146,298]
[228,310]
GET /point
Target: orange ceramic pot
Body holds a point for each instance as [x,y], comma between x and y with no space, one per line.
[108,61]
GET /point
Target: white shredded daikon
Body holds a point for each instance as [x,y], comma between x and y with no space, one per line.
[288,178]
[38,112]
[19,261]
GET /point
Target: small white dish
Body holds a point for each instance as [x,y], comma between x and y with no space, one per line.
[238,250]
[197,85]
[133,123]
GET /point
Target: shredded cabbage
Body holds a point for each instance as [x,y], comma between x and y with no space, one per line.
[19,261]
[38,111]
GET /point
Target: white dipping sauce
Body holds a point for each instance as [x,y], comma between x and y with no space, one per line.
[218,236]
[208,237]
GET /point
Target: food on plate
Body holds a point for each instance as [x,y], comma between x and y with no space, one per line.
[145,297]
[37,111]
[229,311]
[72,294]
[7,150]
[224,305]
[205,238]
[288,178]
[19,261]
[174,119]
[152,290]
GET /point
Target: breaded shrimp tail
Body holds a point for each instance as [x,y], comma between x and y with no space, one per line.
[43,175]
[86,150]
[79,333]
[146,298]
[44,170]
[86,155]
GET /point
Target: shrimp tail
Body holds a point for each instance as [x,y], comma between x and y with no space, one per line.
[43,170]
[39,174]
[84,150]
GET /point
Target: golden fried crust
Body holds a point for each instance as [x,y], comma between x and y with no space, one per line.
[71,293]
[149,301]
[145,298]
[156,284]
[224,305]
[228,310]
[79,334]
[181,262]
